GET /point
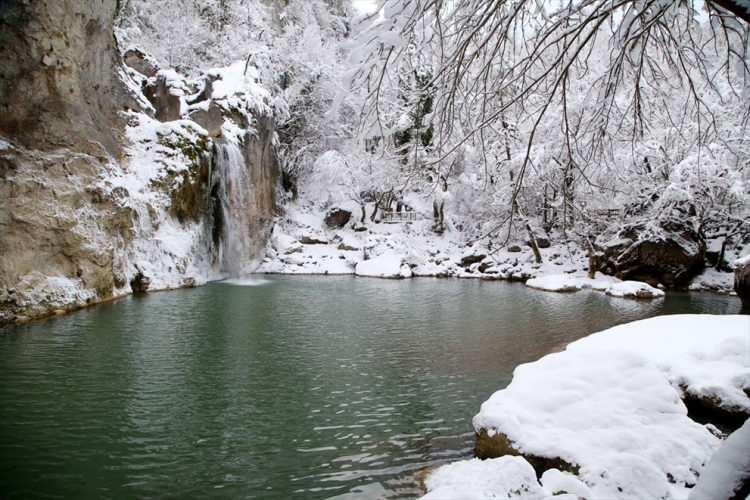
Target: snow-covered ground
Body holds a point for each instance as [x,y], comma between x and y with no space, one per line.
[303,244]
[610,407]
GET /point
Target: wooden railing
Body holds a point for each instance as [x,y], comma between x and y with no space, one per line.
[609,213]
[391,217]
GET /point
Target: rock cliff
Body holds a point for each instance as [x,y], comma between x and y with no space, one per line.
[99,198]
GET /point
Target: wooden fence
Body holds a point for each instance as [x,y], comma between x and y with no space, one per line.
[391,217]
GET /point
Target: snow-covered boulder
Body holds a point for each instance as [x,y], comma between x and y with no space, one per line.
[634,290]
[387,265]
[469,259]
[555,283]
[283,243]
[485,479]
[669,252]
[609,408]
[337,217]
[571,283]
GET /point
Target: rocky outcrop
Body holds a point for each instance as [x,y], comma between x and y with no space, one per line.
[141,62]
[98,199]
[60,94]
[669,253]
[55,222]
[497,444]
[167,95]
[209,117]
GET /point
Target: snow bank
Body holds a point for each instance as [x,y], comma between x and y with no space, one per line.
[387,265]
[237,88]
[634,290]
[556,283]
[610,407]
[728,469]
[564,268]
[608,284]
[571,282]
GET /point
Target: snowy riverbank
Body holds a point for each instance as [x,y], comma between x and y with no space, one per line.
[606,419]
[302,243]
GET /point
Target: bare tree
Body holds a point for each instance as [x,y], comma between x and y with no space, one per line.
[492,59]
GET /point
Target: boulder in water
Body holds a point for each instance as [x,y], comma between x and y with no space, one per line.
[140,283]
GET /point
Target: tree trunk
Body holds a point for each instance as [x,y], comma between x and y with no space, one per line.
[534,246]
[720,259]
[375,211]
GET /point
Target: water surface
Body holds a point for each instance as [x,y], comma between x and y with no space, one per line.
[298,387]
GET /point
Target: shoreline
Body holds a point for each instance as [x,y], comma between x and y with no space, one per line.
[73,308]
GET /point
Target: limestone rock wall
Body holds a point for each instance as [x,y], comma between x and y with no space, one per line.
[59,81]
[94,192]
[60,93]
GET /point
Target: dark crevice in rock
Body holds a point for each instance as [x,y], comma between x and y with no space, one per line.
[499,445]
[706,410]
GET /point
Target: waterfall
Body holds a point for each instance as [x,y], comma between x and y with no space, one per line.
[233,230]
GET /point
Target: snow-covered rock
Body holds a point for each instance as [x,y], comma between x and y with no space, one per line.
[387,265]
[556,283]
[668,251]
[634,290]
[485,479]
[608,284]
[609,407]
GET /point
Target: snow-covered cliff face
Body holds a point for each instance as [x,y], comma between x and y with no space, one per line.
[98,198]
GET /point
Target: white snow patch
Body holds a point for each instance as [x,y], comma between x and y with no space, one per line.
[728,468]
[239,89]
[555,482]
[634,289]
[556,283]
[485,479]
[611,285]
[387,265]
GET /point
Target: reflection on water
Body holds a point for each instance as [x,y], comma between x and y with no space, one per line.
[306,387]
[252,281]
